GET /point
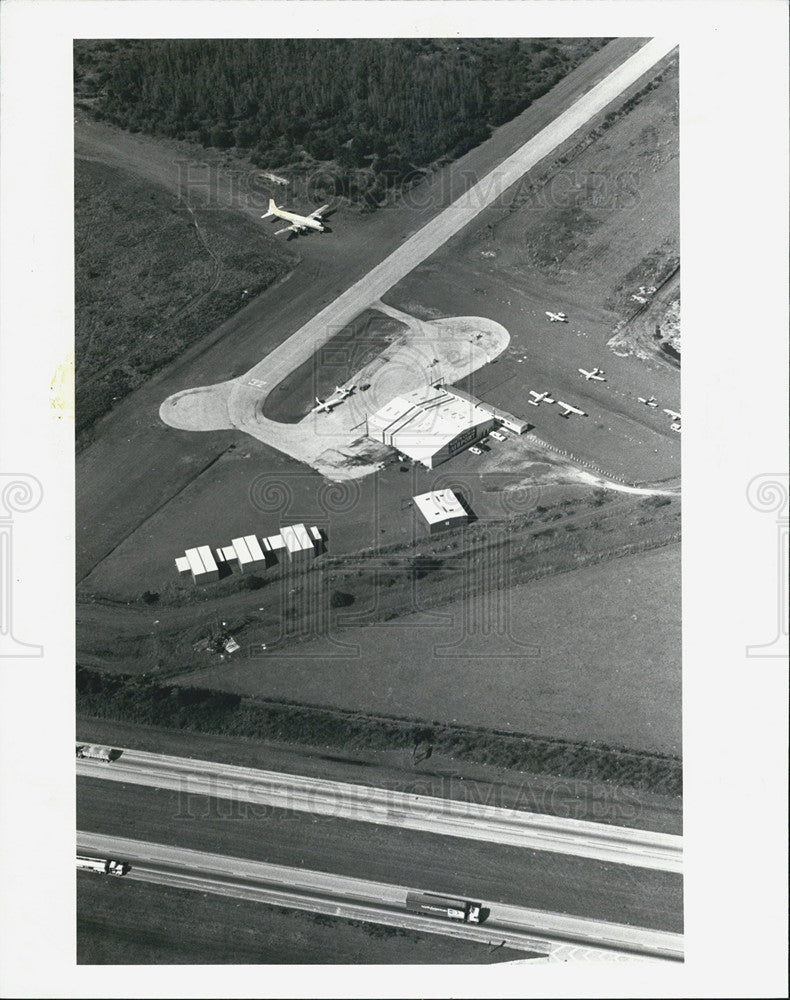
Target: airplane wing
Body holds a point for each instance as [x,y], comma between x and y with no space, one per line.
[288,229]
[317,212]
[534,394]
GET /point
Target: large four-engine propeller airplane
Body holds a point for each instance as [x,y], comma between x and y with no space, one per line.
[597,374]
[539,397]
[568,409]
[557,317]
[299,223]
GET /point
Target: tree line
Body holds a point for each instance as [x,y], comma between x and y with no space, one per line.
[385,106]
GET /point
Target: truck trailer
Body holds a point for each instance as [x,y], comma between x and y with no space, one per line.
[92,752]
[443,906]
[101,866]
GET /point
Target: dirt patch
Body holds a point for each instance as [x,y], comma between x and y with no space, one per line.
[654,331]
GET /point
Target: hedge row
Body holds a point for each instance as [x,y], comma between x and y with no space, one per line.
[144,701]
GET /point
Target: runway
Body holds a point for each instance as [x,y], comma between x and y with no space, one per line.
[382,806]
[353,898]
[243,398]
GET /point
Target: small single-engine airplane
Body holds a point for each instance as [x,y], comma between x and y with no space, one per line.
[325,405]
[557,317]
[652,401]
[675,425]
[597,374]
[299,223]
[539,397]
[570,409]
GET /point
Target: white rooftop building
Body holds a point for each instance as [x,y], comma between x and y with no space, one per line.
[250,553]
[441,509]
[202,564]
[430,424]
[298,542]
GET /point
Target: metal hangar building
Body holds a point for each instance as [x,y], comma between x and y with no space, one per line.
[430,424]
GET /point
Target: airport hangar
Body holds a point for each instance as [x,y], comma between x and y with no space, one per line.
[435,422]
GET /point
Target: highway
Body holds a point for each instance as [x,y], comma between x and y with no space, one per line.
[382,806]
[354,898]
[239,402]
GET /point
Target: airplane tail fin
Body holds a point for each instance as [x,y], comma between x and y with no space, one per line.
[272,209]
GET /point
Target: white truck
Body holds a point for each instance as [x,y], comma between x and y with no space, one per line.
[101,866]
[89,751]
[444,906]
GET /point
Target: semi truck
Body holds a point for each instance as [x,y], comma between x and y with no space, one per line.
[91,752]
[443,906]
[101,866]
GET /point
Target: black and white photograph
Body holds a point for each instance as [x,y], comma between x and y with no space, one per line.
[364,522]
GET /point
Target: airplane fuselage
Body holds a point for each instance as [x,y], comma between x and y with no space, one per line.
[298,220]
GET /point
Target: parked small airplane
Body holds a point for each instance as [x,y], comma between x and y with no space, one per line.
[652,401]
[597,374]
[675,425]
[539,397]
[570,409]
[557,317]
[342,393]
[325,405]
[299,223]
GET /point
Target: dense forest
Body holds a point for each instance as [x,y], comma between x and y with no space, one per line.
[385,108]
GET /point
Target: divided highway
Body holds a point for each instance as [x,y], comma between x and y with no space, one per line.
[451,817]
[354,898]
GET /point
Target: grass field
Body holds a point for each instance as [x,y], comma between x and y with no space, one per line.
[115,927]
[534,658]
[151,278]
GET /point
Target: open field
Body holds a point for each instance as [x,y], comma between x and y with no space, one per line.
[530,670]
[610,672]
[114,927]
[152,276]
